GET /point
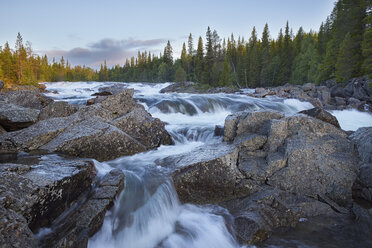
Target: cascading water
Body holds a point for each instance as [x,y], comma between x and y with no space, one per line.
[148,213]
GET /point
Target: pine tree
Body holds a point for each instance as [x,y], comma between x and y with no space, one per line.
[168,54]
[180,75]
[306,63]
[208,59]
[327,68]
[254,60]
[190,45]
[184,57]
[286,58]
[225,79]
[367,44]
[346,64]
[199,61]
[265,53]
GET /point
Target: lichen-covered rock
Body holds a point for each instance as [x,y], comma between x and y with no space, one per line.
[26,98]
[120,104]
[13,117]
[322,115]
[57,109]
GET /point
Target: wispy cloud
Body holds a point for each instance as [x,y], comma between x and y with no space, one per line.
[111,50]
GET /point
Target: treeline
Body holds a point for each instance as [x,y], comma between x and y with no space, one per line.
[341,49]
[20,66]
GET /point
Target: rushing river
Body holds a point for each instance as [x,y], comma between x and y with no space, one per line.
[148,212]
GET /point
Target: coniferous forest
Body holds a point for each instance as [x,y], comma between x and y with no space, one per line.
[341,49]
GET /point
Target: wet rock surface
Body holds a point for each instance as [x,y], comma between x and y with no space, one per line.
[115,127]
[274,171]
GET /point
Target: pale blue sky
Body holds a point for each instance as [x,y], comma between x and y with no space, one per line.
[88,32]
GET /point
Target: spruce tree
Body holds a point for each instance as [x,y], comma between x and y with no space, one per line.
[225,79]
[199,60]
[168,54]
[265,53]
[208,59]
[346,60]
[367,44]
[254,60]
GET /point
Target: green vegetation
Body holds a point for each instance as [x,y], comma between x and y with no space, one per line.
[341,49]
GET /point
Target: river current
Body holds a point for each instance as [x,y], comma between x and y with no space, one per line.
[148,213]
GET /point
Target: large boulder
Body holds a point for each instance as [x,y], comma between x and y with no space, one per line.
[26,99]
[116,127]
[94,138]
[83,222]
[281,152]
[143,127]
[55,193]
[57,109]
[322,115]
[206,175]
[40,192]
[275,171]
[13,117]
[256,217]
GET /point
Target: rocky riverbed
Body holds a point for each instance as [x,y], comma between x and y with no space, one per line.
[269,171]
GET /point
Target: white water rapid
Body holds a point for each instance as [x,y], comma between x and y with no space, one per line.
[148,213]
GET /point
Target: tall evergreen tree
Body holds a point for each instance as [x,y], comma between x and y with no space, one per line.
[367,42]
[168,54]
[265,51]
[208,59]
[199,60]
[346,60]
